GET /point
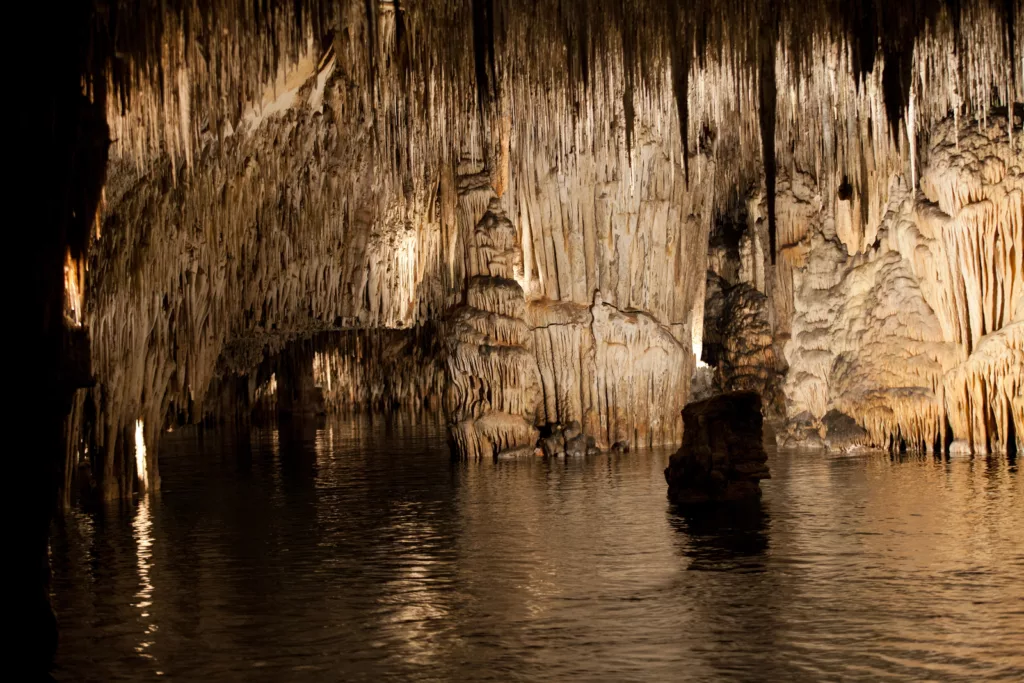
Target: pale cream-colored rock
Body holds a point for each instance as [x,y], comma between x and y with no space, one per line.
[890,336]
[492,392]
[866,343]
[643,378]
[976,179]
[268,183]
[983,394]
[622,375]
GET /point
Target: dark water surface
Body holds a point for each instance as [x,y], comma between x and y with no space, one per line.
[361,552]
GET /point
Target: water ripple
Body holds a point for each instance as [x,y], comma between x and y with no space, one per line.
[359,551]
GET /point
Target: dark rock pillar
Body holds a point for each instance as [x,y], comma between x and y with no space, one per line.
[297,393]
[722,458]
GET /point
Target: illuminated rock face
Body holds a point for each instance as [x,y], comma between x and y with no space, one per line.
[916,336]
[493,386]
[327,169]
[513,365]
[621,374]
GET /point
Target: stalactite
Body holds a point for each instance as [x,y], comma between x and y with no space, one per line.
[681,51]
[207,65]
[921,328]
[983,394]
[621,374]
[866,343]
[379,369]
[254,248]
[766,106]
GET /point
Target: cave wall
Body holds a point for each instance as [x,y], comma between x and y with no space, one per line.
[331,175]
[916,334]
[379,369]
[879,296]
[282,169]
[201,272]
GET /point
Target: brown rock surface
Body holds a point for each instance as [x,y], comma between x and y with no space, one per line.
[722,458]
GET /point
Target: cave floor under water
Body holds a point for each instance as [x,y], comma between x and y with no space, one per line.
[359,551]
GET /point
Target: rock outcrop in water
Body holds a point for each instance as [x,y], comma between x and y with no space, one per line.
[722,458]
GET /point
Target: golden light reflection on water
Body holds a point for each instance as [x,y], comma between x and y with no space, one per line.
[413,601]
[142,527]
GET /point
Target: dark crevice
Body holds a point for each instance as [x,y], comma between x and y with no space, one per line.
[767,102]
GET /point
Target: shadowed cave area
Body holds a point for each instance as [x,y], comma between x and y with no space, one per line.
[494,340]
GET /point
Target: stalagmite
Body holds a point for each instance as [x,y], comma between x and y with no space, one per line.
[493,387]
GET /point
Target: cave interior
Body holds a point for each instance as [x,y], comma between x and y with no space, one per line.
[555,223]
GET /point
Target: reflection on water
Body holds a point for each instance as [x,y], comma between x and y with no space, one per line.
[143,527]
[727,539]
[356,550]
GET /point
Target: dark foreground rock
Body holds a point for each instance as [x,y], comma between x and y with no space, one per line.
[842,433]
[566,441]
[722,458]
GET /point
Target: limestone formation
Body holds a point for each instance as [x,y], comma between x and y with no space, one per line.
[984,395]
[493,386]
[722,459]
[283,170]
[225,179]
[379,370]
[739,338]
[802,431]
[643,375]
[915,335]
[748,358]
[740,343]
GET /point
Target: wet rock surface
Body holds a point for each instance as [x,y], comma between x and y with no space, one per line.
[842,433]
[802,430]
[722,458]
[566,441]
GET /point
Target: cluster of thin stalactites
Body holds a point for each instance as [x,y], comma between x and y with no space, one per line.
[572,74]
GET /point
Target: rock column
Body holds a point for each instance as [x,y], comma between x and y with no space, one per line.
[493,385]
[722,459]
